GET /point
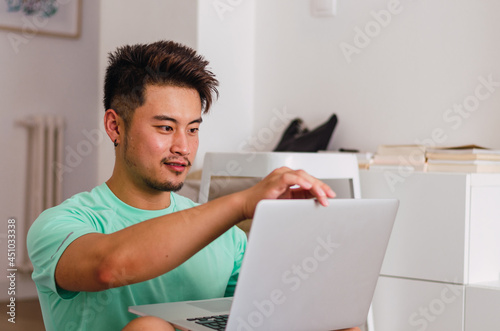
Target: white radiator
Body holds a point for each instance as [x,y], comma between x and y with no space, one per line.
[43,185]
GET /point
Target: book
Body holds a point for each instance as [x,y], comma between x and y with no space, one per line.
[465,153]
[405,167]
[462,166]
[409,156]
[400,149]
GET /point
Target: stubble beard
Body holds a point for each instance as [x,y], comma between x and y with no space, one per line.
[166,186]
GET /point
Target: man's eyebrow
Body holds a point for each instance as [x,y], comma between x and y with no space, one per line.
[168,118]
[164,118]
[198,120]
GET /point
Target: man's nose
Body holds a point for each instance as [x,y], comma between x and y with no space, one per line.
[180,144]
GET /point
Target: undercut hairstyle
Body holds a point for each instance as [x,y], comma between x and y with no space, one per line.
[132,68]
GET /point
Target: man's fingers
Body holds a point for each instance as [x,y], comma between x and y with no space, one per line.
[297,177]
[321,196]
[285,183]
[305,181]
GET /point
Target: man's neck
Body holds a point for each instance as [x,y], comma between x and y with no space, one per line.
[140,197]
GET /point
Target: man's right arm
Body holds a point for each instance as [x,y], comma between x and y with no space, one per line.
[151,248]
[95,261]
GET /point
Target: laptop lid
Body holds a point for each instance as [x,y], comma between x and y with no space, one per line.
[307,267]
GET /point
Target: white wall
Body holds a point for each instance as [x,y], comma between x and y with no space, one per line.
[45,75]
[226,39]
[399,87]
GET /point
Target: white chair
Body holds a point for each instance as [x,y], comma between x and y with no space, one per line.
[325,166]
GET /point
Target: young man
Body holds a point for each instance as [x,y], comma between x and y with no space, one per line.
[132,240]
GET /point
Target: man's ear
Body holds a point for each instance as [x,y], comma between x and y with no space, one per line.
[113,124]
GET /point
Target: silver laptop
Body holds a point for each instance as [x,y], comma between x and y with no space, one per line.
[306,267]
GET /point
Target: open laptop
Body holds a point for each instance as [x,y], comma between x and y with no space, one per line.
[306,267]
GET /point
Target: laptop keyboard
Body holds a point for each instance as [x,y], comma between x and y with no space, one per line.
[217,322]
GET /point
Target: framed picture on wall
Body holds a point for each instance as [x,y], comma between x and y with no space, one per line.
[48,17]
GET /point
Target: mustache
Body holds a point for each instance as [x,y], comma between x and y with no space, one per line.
[176,159]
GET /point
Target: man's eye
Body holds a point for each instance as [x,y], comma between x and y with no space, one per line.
[194,130]
[166,128]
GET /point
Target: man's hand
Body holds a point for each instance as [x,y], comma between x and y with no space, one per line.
[285,183]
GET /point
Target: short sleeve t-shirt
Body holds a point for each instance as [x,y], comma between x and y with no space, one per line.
[210,273]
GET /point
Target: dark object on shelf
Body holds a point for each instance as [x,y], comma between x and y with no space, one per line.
[297,138]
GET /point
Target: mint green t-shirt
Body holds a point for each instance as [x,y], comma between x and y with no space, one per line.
[210,273]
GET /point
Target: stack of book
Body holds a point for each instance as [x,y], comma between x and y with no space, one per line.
[395,156]
[468,158]
[364,159]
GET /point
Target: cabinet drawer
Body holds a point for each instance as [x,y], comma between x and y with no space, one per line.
[481,308]
[428,240]
[413,305]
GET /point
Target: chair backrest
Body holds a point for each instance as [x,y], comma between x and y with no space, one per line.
[259,164]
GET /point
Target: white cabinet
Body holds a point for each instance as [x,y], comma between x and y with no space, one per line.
[446,237]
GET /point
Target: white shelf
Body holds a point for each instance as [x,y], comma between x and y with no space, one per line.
[493,285]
